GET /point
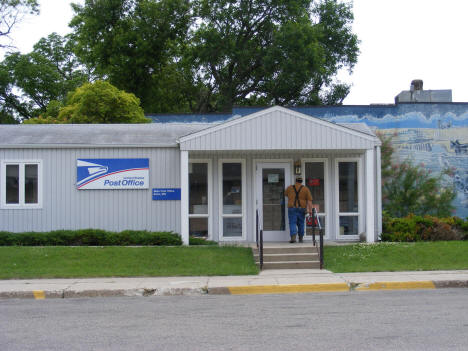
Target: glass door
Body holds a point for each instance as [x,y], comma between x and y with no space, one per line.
[272,180]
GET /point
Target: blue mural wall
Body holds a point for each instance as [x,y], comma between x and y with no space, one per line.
[432,134]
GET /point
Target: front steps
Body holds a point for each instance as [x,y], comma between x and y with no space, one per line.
[288,256]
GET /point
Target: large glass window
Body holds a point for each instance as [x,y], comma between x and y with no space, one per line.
[232,183]
[20,184]
[348,198]
[232,188]
[12,184]
[315,181]
[30,184]
[198,199]
[348,187]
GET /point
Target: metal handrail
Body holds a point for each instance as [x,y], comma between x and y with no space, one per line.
[316,224]
[256,234]
[260,250]
[259,236]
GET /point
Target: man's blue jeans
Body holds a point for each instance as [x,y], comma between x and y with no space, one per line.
[296,221]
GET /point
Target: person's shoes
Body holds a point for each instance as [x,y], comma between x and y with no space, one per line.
[300,239]
[293,239]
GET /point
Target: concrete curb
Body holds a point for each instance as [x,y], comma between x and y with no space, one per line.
[238,290]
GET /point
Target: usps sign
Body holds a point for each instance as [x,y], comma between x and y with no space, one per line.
[112,173]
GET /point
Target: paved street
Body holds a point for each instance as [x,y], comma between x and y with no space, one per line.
[382,320]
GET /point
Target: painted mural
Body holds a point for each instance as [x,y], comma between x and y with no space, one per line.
[432,134]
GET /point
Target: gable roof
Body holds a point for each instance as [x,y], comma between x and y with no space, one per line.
[278,128]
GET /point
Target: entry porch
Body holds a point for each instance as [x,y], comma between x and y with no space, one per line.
[240,168]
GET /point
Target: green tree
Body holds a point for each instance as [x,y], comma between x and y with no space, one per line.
[407,188]
[98,102]
[11,12]
[9,101]
[135,44]
[6,118]
[285,52]
[32,80]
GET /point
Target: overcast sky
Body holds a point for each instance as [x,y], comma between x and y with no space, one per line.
[401,40]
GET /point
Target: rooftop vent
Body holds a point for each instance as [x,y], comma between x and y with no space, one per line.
[416,84]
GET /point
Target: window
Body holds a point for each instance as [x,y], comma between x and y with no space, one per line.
[199,198]
[21,185]
[232,192]
[315,179]
[348,198]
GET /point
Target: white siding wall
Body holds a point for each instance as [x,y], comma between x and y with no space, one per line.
[279,130]
[65,207]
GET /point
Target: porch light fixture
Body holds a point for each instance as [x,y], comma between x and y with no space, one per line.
[297,167]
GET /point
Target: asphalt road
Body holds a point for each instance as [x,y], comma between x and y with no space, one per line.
[384,320]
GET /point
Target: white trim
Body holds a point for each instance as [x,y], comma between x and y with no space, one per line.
[243,119]
[21,205]
[328,199]
[184,205]
[370,196]
[358,160]
[242,215]
[209,215]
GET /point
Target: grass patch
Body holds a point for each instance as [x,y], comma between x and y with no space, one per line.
[381,257]
[87,262]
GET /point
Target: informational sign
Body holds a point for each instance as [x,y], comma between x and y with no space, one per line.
[166,194]
[273,178]
[314,182]
[112,173]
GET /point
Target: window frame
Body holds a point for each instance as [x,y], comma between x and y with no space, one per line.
[209,215]
[220,200]
[21,205]
[339,214]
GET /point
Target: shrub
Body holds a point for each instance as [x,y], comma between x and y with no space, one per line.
[409,188]
[423,228]
[90,237]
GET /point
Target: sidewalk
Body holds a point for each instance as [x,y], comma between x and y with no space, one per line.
[267,282]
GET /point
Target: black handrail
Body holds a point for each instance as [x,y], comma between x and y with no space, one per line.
[256,223]
[260,249]
[259,235]
[316,224]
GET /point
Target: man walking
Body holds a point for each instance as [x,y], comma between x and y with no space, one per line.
[299,201]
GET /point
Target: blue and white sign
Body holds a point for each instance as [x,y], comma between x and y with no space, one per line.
[112,173]
[166,194]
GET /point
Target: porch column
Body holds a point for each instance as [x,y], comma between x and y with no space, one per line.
[370,195]
[184,197]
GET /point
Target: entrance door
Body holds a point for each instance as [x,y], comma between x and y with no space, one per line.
[272,179]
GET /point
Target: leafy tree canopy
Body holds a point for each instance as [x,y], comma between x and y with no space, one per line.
[407,188]
[207,55]
[135,45]
[284,52]
[31,81]
[98,102]
[11,12]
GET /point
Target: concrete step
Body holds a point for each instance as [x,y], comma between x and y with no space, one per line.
[292,265]
[288,257]
[287,249]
